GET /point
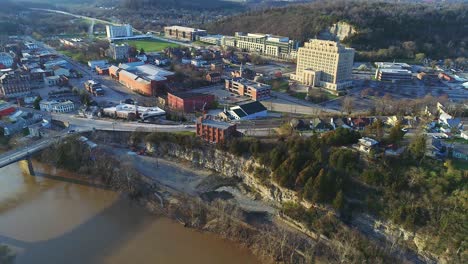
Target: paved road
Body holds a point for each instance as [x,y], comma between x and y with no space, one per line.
[21,153]
[86,124]
[93,19]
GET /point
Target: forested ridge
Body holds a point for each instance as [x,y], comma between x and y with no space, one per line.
[385,30]
[418,193]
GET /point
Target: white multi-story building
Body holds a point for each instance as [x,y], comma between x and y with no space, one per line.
[57,107]
[324,63]
[266,44]
[6,59]
[119,31]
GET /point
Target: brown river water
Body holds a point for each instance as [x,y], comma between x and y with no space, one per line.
[50,220]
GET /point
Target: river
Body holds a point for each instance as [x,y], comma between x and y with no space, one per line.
[48,220]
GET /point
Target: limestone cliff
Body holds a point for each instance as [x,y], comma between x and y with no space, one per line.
[339,31]
[230,165]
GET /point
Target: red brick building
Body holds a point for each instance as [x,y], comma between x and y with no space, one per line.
[189,102]
[215,131]
[142,78]
[243,87]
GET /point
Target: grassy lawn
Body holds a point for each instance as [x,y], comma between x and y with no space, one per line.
[457,140]
[200,43]
[149,45]
[278,85]
[300,95]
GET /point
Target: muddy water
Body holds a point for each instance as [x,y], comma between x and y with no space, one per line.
[46,219]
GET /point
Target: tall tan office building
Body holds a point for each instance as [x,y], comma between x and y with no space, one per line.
[324,63]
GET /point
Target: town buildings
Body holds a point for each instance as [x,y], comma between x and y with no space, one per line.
[14,84]
[213,77]
[119,31]
[248,111]
[388,71]
[134,112]
[6,60]
[215,131]
[140,77]
[183,33]
[212,39]
[118,51]
[94,63]
[266,44]
[189,102]
[255,90]
[56,106]
[324,63]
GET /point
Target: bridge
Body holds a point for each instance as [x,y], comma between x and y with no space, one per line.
[24,154]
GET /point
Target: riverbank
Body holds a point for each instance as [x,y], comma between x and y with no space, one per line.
[224,217]
[50,220]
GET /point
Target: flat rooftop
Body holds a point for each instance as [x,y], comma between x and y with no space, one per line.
[186,29]
[146,71]
[129,108]
[395,71]
[186,95]
[250,83]
[217,124]
[394,65]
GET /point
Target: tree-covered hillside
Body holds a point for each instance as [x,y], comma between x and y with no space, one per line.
[385,30]
[185,4]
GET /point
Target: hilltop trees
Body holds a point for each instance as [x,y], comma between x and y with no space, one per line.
[386,31]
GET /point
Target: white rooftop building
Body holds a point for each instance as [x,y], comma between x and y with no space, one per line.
[119,31]
[6,59]
[129,111]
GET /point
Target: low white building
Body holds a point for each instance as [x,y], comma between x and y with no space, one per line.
[56,106]
[6,59]
[94,63]
[367,144]
[133,112]
[247,111]
[464,134]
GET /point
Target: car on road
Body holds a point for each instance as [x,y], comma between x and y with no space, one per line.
[71,131]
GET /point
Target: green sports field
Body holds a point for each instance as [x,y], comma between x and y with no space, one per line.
[152,45]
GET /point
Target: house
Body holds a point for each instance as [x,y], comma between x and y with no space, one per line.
[247,111]
[367,144]
[59,71]
[52,81]
[102,69]
[213,77]
[340,122]
[464,134]
[95,63]
[360,123]
[320,125]
[215,131]
[198,62]
[161,62]
[393,150]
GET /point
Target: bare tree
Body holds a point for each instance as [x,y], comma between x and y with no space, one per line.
[348,105]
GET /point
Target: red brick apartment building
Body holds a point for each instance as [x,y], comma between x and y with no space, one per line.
[215,131]
[243,87]
[189,102]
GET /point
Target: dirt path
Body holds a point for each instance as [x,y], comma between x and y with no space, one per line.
[184,177]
